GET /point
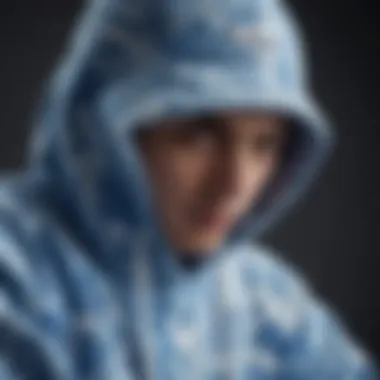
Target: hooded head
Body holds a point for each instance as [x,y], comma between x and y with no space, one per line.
[208,172]
[136,63]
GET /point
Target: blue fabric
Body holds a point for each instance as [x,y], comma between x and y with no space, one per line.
[89,288]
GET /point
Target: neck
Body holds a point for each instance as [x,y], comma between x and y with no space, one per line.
[191,260]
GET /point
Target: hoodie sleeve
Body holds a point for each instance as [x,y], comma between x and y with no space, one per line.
[322,349]
[27,350]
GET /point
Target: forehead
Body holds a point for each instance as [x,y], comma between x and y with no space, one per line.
[229,120]
[247,119]
[233,125]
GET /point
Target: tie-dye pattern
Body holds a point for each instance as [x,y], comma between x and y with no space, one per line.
[89,290]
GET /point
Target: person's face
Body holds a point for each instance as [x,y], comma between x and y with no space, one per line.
[208,172]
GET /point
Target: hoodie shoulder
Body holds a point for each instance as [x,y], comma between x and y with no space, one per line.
[267,268]
[30,301]
[23,268]
[19,223]
[275,286]
[302,326]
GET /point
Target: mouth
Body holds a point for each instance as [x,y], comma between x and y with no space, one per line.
[215,220]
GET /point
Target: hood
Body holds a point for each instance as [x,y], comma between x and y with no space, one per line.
[130,62]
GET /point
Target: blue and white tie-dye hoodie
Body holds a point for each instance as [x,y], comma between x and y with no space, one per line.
[89,289]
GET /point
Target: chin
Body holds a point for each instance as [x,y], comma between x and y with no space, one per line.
[202,247]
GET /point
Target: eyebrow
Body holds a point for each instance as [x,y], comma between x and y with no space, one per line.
[211,120]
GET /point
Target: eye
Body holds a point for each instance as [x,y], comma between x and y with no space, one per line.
[197,134]
[203,135]
[267,143]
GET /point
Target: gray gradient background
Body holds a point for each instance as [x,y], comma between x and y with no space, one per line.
[333,237]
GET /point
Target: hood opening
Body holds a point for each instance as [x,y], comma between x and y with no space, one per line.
[117,76]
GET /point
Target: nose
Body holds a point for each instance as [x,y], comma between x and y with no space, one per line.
[235,172]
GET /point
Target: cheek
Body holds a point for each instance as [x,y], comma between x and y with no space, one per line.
[177,179]
[262,173]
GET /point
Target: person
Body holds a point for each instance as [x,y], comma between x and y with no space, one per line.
[172,135]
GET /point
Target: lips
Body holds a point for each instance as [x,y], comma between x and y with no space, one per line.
[216,220]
